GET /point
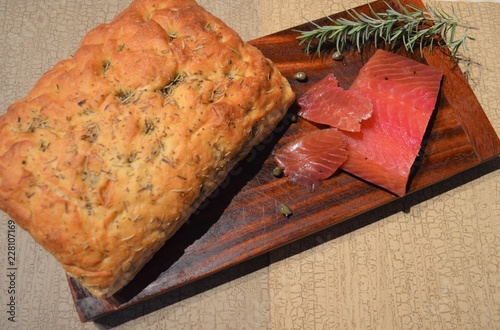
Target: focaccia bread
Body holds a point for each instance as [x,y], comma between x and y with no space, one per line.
[113,149]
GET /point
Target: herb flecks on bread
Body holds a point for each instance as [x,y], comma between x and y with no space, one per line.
[113,149]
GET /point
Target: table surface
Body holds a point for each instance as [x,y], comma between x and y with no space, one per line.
[429,260]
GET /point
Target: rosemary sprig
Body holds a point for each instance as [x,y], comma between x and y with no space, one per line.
[411,27]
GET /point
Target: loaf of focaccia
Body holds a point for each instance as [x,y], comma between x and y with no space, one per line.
[113,149]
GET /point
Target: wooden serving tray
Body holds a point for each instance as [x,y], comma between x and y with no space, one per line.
[241,220]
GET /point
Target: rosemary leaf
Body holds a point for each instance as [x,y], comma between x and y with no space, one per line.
[411,27]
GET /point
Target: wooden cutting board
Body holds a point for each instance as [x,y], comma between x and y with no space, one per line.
[241,219]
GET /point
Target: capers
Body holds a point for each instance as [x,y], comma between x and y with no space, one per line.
[337,56]
[285,210]
[277,172]
[300,76]
[293,118]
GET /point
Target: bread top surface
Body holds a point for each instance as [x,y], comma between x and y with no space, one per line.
[111,150]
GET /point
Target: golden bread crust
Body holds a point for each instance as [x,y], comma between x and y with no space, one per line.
[113,149]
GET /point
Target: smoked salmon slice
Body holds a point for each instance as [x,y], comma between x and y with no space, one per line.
[403,93]
[313,157]
[327,103]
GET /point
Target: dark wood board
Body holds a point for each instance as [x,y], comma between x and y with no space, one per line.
[241,220]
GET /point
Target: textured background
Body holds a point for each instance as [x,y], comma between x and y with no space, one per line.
[427,261]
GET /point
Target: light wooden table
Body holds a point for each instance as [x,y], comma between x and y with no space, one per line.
[430,261]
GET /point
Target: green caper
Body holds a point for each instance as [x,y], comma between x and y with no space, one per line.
[337,56]
[300,76]
[285,210]
[277,172]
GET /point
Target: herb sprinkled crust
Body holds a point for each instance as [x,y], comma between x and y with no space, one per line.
[113,149]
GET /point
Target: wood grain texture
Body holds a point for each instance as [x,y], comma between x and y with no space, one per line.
[240,221]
